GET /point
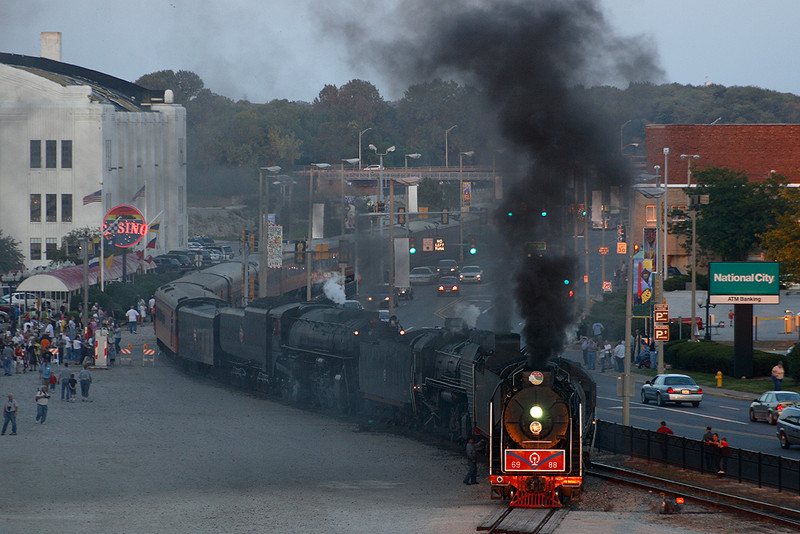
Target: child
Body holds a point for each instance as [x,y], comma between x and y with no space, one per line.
[73,388]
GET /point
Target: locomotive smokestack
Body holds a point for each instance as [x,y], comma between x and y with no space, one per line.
[531,61]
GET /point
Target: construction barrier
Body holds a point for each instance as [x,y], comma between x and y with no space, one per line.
[54,352]
[125,355]
[148,356]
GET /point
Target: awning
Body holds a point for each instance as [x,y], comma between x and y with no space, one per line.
[71,278]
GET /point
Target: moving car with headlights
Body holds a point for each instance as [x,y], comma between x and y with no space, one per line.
[422,275]
[770,405]
[472,274]
[788,431]
[672,388]
[447,268]
[448,285]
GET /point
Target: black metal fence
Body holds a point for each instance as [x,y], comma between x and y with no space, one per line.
[685,453]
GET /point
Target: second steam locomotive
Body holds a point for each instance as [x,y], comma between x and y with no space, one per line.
[452,381]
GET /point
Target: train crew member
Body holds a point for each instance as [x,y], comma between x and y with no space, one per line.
[472,463]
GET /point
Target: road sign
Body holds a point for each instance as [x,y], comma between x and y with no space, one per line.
[607,286]
[661,313]
[539,460]
[603,250]
[661,332]
[427,244]
[438,245]
[622,248]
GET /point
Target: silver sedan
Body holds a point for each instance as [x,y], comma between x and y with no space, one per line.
[672,388]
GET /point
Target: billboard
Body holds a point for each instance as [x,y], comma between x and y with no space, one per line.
[744,282]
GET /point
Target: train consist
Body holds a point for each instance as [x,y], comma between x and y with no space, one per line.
[451,381]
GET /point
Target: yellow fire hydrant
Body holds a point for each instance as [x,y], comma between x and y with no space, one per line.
[718,376]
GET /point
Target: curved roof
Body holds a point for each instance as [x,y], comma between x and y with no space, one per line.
[71,278]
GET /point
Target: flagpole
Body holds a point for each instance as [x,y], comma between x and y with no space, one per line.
[102,241]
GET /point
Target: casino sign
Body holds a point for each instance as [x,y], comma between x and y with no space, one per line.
[124,226]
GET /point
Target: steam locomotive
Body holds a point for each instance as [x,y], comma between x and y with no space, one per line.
[452,381]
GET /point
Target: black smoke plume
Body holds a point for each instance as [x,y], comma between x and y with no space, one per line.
[531,60]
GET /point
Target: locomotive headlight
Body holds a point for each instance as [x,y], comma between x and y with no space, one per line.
[536,413]
[535,427]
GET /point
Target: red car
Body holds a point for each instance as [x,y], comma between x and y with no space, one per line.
[448,285]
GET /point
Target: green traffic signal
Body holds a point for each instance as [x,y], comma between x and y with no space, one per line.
[544,214]
[566,282]
[473,250]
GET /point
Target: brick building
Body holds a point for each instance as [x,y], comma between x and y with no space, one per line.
[756,150]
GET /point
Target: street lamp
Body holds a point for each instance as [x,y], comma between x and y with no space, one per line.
[380,171]
[446,149]
[310,222]
[707,305]
[413,156]
[263,227]
[362,132]
[693,210]
[666,201]
[461,155]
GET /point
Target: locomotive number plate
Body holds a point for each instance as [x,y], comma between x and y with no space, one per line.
[538,460]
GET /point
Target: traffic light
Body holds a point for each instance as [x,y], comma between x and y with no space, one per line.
[570,291]
[445,216]
[621,233]
[544,213]
[636,248]
[300,252]
[412,246]
[401,216]
[473,249]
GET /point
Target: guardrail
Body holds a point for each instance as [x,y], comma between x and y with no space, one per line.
[686,453]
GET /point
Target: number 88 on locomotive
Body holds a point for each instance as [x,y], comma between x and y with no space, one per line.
[538,422]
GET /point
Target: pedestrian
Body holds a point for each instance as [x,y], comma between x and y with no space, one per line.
[472,463]
[63,377]
[714,448]
[152,305]
[777,375]
[8,358]
[42,396]
[585,350]
[45,372]
[142,311]
[133,317]
[73,387]
[664,429]
[77,349]
[85,378]
[606,358]
[597,329]
[724,453]
[117,336]
[592,354]
[730,317]
[707,455]
[10,415]
[619,356]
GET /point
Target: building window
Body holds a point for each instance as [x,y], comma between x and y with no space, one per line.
[36,248]
[36,207]
[36,154]
[51,203]
[180,199]
[51,248]
[66,154]
[66,208]
[650,214]
[108,154]
[50,154]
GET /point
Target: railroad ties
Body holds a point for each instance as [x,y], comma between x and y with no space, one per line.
[523,520]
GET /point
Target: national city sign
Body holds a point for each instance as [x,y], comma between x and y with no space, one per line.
[744,283]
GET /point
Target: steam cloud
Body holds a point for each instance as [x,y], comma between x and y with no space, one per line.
[334,289]
[470,313]
[531,60]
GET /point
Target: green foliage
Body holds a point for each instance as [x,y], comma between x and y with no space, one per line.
[118,296]
[677,283]
[710,357]
[11,256]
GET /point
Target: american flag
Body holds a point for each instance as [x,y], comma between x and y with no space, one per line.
[97,196]
[139,194]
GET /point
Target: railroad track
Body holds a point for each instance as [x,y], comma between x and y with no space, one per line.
[725,501]
[523,521]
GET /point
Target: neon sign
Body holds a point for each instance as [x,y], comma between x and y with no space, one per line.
[124,226]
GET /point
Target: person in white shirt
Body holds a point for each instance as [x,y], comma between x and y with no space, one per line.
[133,318]
[619,356]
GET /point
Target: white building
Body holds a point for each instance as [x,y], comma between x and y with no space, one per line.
[75,142]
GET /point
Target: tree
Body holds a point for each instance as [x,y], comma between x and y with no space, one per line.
[70,245]
[737,214]
[185,85]
[782,244]
[11,256]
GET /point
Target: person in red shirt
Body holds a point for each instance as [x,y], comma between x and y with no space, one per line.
[664,429]
[724,452]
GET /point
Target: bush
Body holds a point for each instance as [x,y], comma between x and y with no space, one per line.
[118,296]
[710,357]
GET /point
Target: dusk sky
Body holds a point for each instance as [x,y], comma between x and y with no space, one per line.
[266,50]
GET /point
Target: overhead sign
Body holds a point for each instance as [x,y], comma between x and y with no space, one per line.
[438,245]
[427,244]
[539,460]
[744,282]
[124,226]
[661,313]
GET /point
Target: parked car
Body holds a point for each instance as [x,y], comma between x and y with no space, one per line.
[447,268]
[673,271]
[373,168]
[186,262]
[27,300]
[227,251]
[351,305]
[167,264]
[770,405]
[472,274]
[448,285]
[788,430]
[214,255]
[422,275]
[672,388]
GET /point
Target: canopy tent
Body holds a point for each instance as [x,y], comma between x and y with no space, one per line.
[70,279]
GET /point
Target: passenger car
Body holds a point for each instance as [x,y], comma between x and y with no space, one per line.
[422,275]
[447,268]
[448,285]
[770,405]
[373,168]
[672,388]
[788,431]
[471,273]
[27,300]
[167,264]
[405,293]
[351,305]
